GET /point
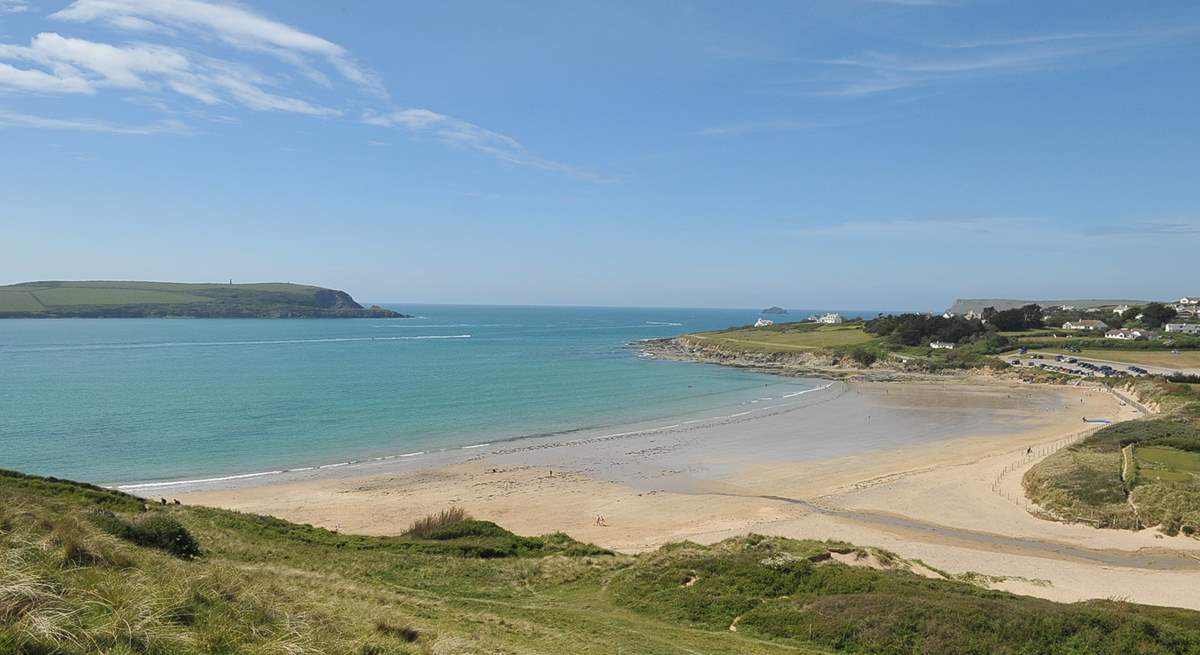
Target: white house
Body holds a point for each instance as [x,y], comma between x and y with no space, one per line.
[948,314]
[763,322]
[1086,324]
[1126,335]
[1120,309]
[832,318]
[972,315]
[1067,308]
[941,345]
[1189,300]
[1184,328]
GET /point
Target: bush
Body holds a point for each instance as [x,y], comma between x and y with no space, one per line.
[155,530]
[862,356]
[407,634]
[424,528]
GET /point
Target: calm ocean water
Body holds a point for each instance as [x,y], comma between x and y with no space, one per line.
[115,401]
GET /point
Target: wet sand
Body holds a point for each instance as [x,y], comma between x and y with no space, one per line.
[928,470]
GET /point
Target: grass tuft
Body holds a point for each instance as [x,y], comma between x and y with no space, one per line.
[424,528]
[405,633]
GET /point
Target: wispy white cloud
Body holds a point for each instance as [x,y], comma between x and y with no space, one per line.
[918,228]
[992,228]
[230,24]
[66,65]
[874,72]
[1171,227]
[14,6]
[14,119]
[781,125]
[158,63]
[206,55]
[459,133]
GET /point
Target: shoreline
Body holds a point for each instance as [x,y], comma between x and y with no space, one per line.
[953,502]
[501,444]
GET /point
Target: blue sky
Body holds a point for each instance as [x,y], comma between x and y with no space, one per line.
[822,153]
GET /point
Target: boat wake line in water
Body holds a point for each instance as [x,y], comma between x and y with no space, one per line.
[266,342]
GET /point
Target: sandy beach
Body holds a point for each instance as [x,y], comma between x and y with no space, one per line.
[929,470]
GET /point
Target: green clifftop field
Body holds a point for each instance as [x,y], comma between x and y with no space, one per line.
[98,299]
[1131,475]
[90,570]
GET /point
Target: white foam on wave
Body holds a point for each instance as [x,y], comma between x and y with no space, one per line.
[801,393]
[478,445]
[177,483]
[669,323]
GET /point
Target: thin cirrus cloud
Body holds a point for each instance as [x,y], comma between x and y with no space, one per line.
[1178,227]
[782,125]
[916,228]
[14,6]
[459,133]
[991,228]
[15,119]
[213,55]
[875,72]
[900,75]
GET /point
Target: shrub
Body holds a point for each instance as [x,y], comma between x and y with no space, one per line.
[862,356]
[424,528]
[404,633]
[155,530]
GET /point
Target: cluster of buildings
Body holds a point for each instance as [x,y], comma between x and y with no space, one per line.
[1187,321]
[832,318]
[1188,307]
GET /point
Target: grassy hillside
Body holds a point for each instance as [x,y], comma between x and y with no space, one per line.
[851,344]
[88,570]
[1135,474]
[783,337]
[150,299]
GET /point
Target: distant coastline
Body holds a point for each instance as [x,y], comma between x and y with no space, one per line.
[123,299]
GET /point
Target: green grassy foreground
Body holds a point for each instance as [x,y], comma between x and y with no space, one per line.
[151,299]
[89,570]
[1136,474]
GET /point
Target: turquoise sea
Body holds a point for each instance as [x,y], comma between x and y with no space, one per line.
[133,400]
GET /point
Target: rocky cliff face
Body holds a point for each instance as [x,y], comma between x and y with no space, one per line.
[786,363]
[807,363]
[333,299]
